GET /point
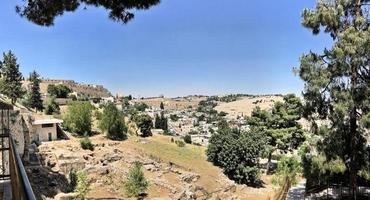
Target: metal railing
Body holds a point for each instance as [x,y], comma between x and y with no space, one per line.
[21,187]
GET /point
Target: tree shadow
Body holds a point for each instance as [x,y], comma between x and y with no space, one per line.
[45,182]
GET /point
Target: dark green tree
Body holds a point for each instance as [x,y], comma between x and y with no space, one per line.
[34,96]
[161,106]
[43,12]
[187,139]
[112,122]
[11,83]
[337,89]
[236,153]
[59,91]
[51,107]
[145,123]
[280,126]
[161,122]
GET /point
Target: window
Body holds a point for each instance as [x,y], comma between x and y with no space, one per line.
[47,125]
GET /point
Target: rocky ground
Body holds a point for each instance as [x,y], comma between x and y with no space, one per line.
[173,172]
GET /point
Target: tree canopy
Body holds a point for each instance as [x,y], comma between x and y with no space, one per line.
[236,153]
[280,125]
[44,12]
[34,96]
[59,91]
[112,122]
[11,77]
[78,118]
[337,90]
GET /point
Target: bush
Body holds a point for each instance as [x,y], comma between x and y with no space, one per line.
[78,118]
[112,123]
[83,186]
[136,183]
[86,143]
[72,182]
[172,140]
[167,132]
[180,143]
[187,139]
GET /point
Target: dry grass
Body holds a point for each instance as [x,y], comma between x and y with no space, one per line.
[245,106]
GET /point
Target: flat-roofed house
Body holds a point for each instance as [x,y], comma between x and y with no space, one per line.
[45,129]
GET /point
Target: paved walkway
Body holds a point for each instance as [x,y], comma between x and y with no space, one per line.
[297,192]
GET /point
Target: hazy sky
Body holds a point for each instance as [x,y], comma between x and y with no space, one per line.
[178,47]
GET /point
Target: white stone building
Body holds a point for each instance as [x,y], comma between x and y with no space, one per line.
[45,129]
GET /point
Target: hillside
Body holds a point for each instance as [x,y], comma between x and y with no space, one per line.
[179,103]
[245,105]
[87,89]
[173,172]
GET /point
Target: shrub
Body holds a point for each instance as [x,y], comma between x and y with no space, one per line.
[172,140]
[136,183]
[78,118]
[180,143]
[187,139]
[83,186]
[167,132]
[86,143]
[72,182]
[112,122]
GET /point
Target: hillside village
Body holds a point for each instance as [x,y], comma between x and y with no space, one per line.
[173,156]
[66,140]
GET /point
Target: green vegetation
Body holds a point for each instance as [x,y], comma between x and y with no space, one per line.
[180,143]
[193,132]
[141,107]
[51,107]
[59,91]
[187,139]
[78,118]
[236,153]
[83,186]
[145,123]
[136,183]
[161,106]
[112,122]
[11,77]
[43,12]
[286,176]
[280,126]
[174,117]
[34,96]
[72,180]
[86,143]
[337,88]
[161,122]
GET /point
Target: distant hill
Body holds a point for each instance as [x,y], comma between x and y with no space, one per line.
[87,89]
[245,105]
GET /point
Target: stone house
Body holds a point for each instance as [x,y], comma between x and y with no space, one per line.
[44,129]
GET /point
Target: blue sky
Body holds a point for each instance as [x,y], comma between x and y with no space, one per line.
[178,47]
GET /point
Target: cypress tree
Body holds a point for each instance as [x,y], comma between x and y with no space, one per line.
[11,77]
[34,95]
